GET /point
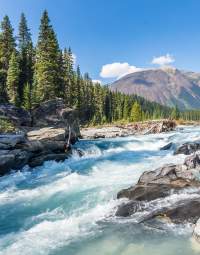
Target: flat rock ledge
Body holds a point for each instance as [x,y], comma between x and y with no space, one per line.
[146,127]
[33,148]
[171,192]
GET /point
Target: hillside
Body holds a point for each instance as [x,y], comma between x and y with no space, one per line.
[168,86]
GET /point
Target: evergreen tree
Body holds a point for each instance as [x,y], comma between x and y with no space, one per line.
[78,89]
[136,112]
[46,76]
[68,76]
[26,53]
[126,108]
[175,113]
[7,46]
[13,78]
[27,97]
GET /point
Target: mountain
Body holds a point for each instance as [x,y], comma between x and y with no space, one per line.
[168,86]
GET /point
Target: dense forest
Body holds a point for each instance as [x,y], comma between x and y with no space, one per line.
[31,74]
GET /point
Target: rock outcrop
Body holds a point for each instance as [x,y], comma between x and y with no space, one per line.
[48,135]
[54,113]
[18,116]
[33,148]
[149,194]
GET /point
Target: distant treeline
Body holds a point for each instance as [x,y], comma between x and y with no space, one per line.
[31,74]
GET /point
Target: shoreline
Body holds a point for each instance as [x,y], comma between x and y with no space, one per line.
[123,130]
[38,145]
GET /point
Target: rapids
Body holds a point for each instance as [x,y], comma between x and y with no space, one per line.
[68,208]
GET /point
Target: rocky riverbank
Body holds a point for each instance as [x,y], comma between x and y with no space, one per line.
[168,194]
[46,134]
[146,127]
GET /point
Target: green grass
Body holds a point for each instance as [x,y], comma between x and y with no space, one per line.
[6,126]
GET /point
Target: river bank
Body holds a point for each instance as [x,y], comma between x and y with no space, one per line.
[35,145]
[139,128]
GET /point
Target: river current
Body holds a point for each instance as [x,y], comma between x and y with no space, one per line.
[68,208]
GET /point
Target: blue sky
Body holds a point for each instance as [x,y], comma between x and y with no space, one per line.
[128,33]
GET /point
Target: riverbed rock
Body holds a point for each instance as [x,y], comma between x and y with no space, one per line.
[153,187]
[18,116]
[188,148]
[160,182]
[179,212]
[40,159]
[167,146]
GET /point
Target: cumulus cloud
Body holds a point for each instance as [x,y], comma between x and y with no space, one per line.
[97,81]
[117,70]
[163,60]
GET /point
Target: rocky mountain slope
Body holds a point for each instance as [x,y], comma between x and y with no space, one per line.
[168,86]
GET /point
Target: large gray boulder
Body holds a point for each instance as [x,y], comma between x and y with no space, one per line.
[188,148]
[18,116]
[179,212]
[154,187]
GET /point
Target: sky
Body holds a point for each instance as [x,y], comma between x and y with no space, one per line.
[111,38]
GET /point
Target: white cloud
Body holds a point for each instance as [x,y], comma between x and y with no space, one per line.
[97,81]
[163,60]
[117,70]
[74,58]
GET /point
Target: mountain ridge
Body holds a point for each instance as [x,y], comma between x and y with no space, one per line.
[167,85]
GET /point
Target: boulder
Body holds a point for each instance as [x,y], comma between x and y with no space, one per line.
[13,159]
[153,186]
[188,148]
[167,147]
[10,141]
[47,134]
[18,116]
[40,159]
[179,212]
[160,182]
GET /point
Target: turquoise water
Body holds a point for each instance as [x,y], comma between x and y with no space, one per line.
[68,208]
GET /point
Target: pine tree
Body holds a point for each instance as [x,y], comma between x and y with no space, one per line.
[126,108]
[13,78]
[7,46]
[26,53]
[46,76]
[175,113]
[27,97]
[68,76]
[136,112]
[78,88]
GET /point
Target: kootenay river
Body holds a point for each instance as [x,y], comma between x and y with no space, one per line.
[68,208]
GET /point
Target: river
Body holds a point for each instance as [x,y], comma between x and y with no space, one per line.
[68,208]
